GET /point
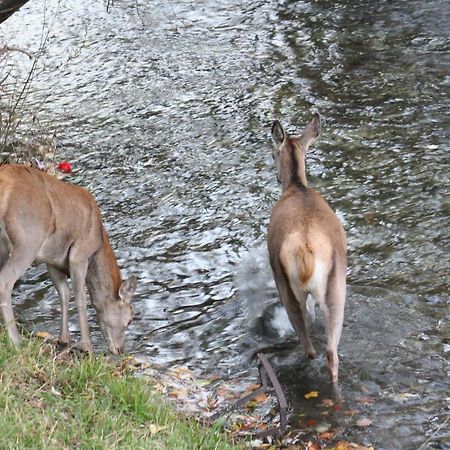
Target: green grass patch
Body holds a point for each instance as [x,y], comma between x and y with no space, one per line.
[54,400]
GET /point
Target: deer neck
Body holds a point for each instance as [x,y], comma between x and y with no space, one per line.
[103,275]
[293,167]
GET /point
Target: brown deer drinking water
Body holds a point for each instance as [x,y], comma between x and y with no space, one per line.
[46,220]
[307,244]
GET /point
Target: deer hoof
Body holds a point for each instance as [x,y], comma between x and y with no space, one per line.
[63,341]
[333,365]
[84,347]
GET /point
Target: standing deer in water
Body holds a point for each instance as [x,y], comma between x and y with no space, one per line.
[307,244]
[46,220]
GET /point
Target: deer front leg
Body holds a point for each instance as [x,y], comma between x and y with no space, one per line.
[78,272]
[8,314]
[59,279]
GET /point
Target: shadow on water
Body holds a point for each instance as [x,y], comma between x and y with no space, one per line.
[165,113]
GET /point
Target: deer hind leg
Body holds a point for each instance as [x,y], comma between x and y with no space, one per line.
[5,245]
[59,279]
[295,304]
[334,312]
[14,266]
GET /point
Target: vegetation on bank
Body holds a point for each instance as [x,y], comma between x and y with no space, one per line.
[56,399]
[23,137]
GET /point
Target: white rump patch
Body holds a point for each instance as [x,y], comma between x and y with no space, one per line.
[317,284]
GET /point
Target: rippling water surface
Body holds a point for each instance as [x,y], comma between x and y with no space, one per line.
[165,111]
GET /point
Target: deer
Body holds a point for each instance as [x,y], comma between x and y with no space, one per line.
[47,220]
[307,245]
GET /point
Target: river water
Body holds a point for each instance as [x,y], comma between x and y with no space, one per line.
[165,112]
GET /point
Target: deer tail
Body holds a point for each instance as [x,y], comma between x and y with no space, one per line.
[305,263]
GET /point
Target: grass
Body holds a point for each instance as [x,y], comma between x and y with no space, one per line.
[54,400]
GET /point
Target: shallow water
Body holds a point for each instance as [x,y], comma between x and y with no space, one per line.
[165,112]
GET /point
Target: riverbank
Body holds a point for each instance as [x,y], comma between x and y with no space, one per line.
[55,399]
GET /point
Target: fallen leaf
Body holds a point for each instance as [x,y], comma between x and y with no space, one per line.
[312,394]
[262,426]
[346,445]
[261,398]
[259,444]
[327,402]
[366,400]
[134,363]
[351,412]
[252,387]
[247,423]
[403,397]
[159,387]
[337,408]
[201,383]
[253,403]
[341,446]
[154,429]
[179,393]
[364,422]
[313,446]
[56,392]
[182,373]
[311,422]
[327,435]
[214,377]
[43,334]
[322,427]
[225,392]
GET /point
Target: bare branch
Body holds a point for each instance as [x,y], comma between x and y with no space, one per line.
[6,49]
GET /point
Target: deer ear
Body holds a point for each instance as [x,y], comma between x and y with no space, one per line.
[278,134]
[311,132]
[127,289]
